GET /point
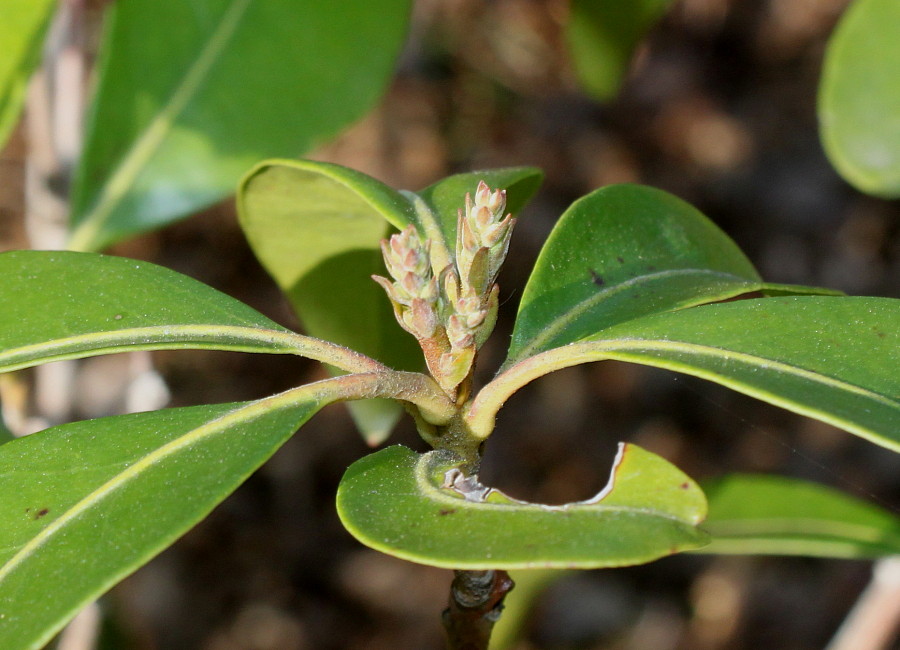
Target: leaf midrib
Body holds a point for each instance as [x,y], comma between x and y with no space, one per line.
[143,148]
[492,397]
[559,323]
[752,360]
[166,337]
[222,423]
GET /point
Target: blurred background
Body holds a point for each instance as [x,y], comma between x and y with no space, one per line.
[717,108]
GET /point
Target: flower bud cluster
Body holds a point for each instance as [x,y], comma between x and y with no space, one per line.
[482,238]
[451,315]
[414,292]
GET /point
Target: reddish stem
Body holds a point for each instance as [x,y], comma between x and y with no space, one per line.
[476,601]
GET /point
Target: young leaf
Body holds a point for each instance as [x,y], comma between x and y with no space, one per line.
[85,504]
[180,114]
[394,501]
[22,27]
[65,305]
[316,228]
[447,196]
[753,514]
[602,36]
[859,97]
[622,252]
[830,358]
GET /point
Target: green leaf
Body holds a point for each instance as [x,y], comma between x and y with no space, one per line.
[86,504]
[622,252]
[602,36]
[832,358]
[316,228]
[180,114]
[394,502]
[859,97]
[65,305]
[22,27]
[753,514]
[446,197]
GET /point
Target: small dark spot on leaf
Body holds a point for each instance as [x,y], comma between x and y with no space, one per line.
[619,259]
[40,513]
[878,333]
[650,267]
[685,486]
[596,278]
[446,511]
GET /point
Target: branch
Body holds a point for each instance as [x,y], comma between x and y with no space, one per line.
[413,387]
[476,601]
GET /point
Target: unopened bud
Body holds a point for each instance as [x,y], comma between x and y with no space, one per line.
[449,284]
[459,333]
[421,318]
[494,201]
[470,309]
[495,233]
[454,366]
[490,317]
[406,253]
[482,217]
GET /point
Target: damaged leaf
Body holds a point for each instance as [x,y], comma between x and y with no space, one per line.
[395,501]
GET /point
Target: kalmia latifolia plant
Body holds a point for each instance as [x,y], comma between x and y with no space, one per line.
[629,273]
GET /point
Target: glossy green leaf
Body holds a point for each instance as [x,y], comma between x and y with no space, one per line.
[859,97]
[22,27]
[394,502]
[446,197]
[754,514]
[65,305]
[180,114]
[622,252]
[316,228]
[602,36]
[85,504]
[832,358]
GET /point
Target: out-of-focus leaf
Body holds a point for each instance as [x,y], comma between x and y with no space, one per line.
[832,358]
[316,228]
[65,305]
[773,515]
[191,94]
[85,504]
[859,97]
[602,36]
[22,27]
[530,584]
[394,501]
[622,252]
